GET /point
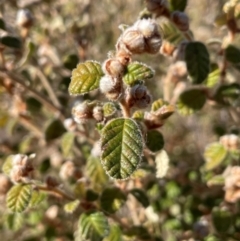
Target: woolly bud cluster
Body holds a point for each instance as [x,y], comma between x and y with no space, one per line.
[138,96]
[24,18]
[230,142]
[111,87]
[86,111]
[181,20]
[22,167]
[82,112]
[142,37]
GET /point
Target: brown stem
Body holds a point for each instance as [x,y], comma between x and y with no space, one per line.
[55,191]
[48,88]
[125,108]
[27,123]
[38,96]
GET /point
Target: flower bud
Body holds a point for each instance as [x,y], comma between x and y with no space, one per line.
[70,124]
[23,162]
[24,18]
[138,91]
[82,112]
[181,20]
[133,40]
[5,184]
[51,181]
[153,44]
[113,67]
[96,150]
[17,173]
[156,6]
[147,27]
[98,113]
[123,57]
[67,170]
[167,49]
[111,87]
[230,142]
[144,102]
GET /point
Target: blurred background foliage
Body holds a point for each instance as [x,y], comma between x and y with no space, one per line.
[36,65]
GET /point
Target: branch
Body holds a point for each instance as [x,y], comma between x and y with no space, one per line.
[38,96]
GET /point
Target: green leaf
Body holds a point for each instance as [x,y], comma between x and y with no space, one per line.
[139,231]
[122,147]
[54,129]
[2,24]
[71,206]
[216,181]
[36,198]
[19,197]
[33,105]
[221,20]
[92,226]
[178,5]
[85,78]
[191,100]
[222,219]
[157,104]
[140,196]
[232,54]
[227,94]
[91,196]
[7,165]
[12,42]
[198,61]
[137,71]
[109,109]
[162,164]
[171,33]
[115,234]
[155,141]
[67,142]
[213,78]
[214,154]
[138,115]
[14,221]
[112,199]
[70,61]
[95,171]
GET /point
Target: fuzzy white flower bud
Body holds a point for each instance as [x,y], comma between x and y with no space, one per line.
[82,112]
[24,18]
[69,124]
[98,113]
[148,27]
[133,40]
[111,87]
[113,67]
